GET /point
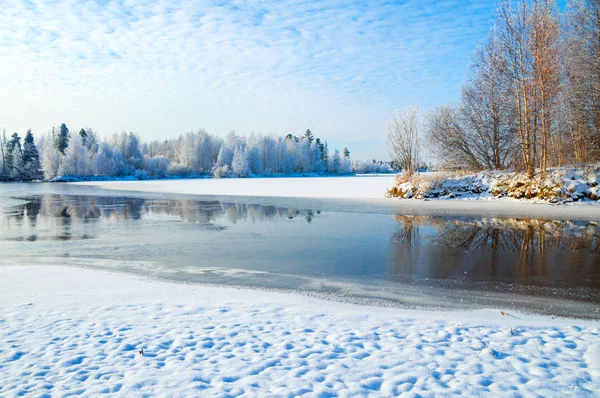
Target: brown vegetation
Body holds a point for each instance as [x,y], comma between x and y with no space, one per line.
[532,100]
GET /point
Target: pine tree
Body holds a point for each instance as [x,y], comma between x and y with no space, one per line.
[83,134]
[346,153]
[31,158]
[62,138]
[14,155]
[240,162]
[309,136]
[4,168]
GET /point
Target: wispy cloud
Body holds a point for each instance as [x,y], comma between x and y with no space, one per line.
[163,67]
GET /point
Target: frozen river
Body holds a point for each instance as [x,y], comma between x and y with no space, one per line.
[341,250]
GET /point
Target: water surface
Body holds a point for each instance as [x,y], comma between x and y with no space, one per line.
[550,266]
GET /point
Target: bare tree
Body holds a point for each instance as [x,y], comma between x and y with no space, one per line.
[403,138]
[530,36]
[580,100]
[478,133]
[448,136]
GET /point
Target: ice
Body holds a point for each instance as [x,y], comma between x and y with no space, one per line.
[362,187]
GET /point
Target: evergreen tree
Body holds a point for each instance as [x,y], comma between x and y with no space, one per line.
[3,167]
[31,158]
[62,138]
[83,134]
[346,153]
[309,136]
[13,145]
[240,162]
[13,155]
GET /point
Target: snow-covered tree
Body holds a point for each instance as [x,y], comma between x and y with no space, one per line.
[240,162]
[62,137]
[50,158]
[3,153]
[32,168]
[75,162]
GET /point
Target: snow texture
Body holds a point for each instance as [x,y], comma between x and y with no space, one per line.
[300,187]
[68,331]
[560,184]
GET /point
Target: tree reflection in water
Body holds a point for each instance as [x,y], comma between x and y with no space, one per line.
[60,212]
[516,250]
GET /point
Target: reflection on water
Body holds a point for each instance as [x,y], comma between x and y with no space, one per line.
[516,250]
[59,212]
[205,240]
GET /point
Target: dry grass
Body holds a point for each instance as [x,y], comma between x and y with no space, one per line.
[557,185]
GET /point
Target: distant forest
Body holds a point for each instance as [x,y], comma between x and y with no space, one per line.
[62,153]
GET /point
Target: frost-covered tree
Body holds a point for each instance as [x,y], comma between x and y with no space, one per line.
[32,168]
[62,138]
[239,164]
[18,168]
[3,152]
[129,147]
[14,156]
[309,136]
[404,140]
[50,157]
[75,162]
[157,166]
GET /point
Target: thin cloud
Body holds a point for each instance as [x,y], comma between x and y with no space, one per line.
[210,63]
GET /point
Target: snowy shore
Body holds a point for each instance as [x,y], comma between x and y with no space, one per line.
[358,189]
[355,187]
[70,330]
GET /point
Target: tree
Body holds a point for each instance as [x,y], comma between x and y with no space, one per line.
[529,34]
[580,101]
[50,157]
[239,164]
[450,139]
[346,152]
[309,136]
[14,157]
[4,167]
[62,138]
[31,158]
[75,161]
[403,138]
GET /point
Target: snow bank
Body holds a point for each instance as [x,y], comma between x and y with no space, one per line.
[313,187]
[561,184]
[74,331]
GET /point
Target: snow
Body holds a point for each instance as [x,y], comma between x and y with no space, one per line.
[559,185]
[301,187]
[358,189]
[70,331]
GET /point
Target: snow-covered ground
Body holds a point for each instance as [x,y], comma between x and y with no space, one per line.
[559,184]
[359,187]
[368,188]
[77,331]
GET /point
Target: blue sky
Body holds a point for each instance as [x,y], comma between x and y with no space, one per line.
[160,68]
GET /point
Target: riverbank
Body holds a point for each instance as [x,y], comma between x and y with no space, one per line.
[564,184]
[72,330]
[351,194]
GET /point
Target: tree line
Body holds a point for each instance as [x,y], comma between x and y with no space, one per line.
[531,100]
[61,153]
